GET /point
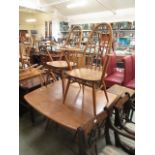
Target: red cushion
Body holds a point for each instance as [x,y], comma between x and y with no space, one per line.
[133,65]
[115,78]
[128,72]
[130,84]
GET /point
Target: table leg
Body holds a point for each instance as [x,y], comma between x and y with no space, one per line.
[82,142]
[94,98]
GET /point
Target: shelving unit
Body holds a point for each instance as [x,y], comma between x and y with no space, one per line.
[123,35]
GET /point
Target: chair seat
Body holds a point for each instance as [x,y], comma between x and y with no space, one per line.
[130,84]
[130,126]
[112,150]
[127,142]
[115,78]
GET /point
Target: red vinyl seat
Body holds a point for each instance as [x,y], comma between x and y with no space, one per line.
[114,75]
[129,71]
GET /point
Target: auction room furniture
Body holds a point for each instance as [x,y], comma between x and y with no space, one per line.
[70,52]
[129,71]
[76,114]
[74,37]
[29,80]
[119,90]
[124,133]
[114,75]
[93,76]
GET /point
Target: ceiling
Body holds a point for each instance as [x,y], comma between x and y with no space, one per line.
[90,7]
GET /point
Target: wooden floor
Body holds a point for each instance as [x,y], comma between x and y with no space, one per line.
[78,108]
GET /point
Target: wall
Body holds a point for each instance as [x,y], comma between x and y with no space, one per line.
[121,15]
[39,25]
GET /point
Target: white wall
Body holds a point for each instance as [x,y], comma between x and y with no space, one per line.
[121,15]
[56,19]
[39,25]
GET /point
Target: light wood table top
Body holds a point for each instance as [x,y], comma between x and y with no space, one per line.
[29,73]
[77,110]
[86,74]
[59,64]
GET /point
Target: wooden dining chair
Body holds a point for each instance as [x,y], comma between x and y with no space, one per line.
[93,74]
[75,37]
[73,41]
[123,132]
[99,44]
[122,110]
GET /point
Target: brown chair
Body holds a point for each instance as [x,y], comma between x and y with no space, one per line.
[123,131]
[93,74]
[122,111]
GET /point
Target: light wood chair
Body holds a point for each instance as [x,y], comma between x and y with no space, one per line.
[99,44]
[93,74]
[75,37]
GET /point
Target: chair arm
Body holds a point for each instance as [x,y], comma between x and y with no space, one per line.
[117,130]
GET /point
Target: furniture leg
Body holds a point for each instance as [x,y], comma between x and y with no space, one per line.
[47,77]
[94,98]
[81,142]
[65,94]
[53,76]
[63,83]
[104,89]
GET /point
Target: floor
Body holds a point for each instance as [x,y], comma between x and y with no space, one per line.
[41,139]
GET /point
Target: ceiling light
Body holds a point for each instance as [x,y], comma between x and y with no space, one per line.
[78,4]
[31,20]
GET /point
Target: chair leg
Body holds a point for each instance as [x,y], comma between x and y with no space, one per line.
[47,77]
[53,76]
[66,91]
[131,116]
[63,82]
[94,99]
[104,89]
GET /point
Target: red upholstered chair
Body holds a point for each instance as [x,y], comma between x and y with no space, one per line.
[114,75]
[129,71]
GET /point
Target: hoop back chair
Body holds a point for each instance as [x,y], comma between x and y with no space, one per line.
[94,76]
[74,37]
[73,41]
[99,44]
